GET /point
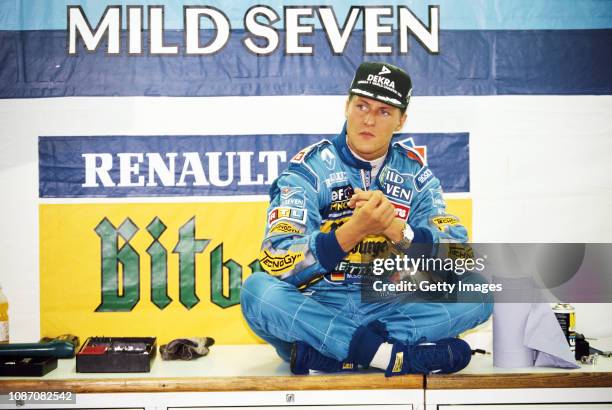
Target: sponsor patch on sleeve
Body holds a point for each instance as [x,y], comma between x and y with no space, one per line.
[281,263]
[443,221]
[422,178]
[288,214]
[285,227]
[460,251]
[292,196]
[299,157]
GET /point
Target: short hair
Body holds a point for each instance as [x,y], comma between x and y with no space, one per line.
[402,110]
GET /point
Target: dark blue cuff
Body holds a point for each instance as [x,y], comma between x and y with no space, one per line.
[422,235]
[364,345]
[328,250]
[422,243]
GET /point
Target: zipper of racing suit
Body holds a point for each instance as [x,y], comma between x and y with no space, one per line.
[366,179]
[366,175]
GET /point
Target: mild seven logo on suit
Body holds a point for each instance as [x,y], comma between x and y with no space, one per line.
[292,196]
[393,187]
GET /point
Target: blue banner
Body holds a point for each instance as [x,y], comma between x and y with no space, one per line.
[454,14]
[151,166]
[36,64]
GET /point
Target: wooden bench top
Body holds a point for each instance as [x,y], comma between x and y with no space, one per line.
[226,368]
[257,368]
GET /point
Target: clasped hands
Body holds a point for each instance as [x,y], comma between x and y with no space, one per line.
[374,210]
[373,214]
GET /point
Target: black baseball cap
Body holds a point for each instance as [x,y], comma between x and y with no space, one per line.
[383,82]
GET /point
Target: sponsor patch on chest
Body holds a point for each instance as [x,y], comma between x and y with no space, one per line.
[336,178]
[340,198]
[401,211]
[394,186]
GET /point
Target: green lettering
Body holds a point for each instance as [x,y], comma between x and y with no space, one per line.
[112,299]
[159,265]
[187,247]
[216,279]
[255,266]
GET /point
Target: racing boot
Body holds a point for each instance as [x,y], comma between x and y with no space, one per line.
[444,356]
[305,358]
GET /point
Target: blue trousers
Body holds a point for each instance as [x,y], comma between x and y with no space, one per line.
[326,315]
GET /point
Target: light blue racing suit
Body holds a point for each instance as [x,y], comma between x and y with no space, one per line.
[311,291]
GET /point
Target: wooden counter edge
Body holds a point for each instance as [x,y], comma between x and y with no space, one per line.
[216,384]
[518,381]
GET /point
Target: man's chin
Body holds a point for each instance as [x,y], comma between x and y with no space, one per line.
[365,149]
[369,153]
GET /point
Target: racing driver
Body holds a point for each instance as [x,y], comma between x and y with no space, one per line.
[340,204]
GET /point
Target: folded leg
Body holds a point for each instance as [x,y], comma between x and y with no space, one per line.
[280,314]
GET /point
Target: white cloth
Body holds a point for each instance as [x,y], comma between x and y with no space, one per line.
[527,335]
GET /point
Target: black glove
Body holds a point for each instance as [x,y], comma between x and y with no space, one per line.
[186,349]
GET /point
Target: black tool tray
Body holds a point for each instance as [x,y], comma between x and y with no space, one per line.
[116,355]
[26,366]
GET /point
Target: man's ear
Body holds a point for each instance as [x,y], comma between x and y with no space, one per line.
[346,105]
[402,121]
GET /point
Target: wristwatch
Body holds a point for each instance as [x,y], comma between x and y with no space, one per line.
[407,237]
